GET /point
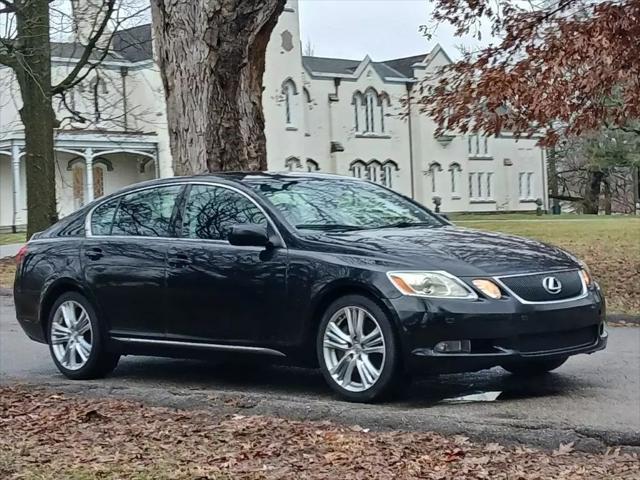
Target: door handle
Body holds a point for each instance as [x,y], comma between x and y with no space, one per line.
[94,253]
[178,259]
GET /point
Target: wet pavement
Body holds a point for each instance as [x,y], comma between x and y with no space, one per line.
[593,400]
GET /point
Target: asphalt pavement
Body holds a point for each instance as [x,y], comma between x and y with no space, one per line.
[593,400]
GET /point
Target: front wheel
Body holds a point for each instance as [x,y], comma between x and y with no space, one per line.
[75,339]
[534,367]
[357,350]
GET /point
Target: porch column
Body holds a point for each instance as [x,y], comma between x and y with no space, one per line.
[88,170]
[15,170]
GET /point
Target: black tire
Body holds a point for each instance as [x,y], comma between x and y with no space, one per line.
[529,368]
[100,362]
[391,376]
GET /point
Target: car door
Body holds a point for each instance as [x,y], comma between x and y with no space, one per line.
[221,293]
[124,259]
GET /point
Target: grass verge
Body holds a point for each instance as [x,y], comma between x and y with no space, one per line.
[49,436]
[609,245]
[9,238]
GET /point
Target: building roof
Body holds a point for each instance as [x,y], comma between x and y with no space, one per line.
[339,66]
[75,50]
[404,65]
[134,43]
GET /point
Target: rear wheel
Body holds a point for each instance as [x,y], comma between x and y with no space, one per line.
[357,350]
[76,342]
[534,367]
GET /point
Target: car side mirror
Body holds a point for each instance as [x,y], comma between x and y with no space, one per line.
[249,235]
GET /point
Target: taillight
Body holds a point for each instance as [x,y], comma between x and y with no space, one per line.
[21,254]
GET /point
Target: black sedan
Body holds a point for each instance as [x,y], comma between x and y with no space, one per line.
[315,269]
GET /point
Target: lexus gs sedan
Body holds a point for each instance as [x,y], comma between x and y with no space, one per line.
[317,270]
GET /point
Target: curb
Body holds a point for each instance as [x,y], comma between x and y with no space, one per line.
[623,319]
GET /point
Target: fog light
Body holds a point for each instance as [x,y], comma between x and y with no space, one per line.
[453,346]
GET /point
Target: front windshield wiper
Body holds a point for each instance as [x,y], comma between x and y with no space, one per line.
[406,224]
[328,227]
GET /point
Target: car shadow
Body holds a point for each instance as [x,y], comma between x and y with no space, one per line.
[259,377]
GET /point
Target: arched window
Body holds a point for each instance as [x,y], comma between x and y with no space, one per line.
[374,171]
[307,107]
[357,168]
[454,171]
[312,165]
[371,101]
[288,91]
[388,167]
[292,163]
[383,99]
[358,105]
[434,168]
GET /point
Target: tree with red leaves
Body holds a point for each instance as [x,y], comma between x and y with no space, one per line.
[558,69]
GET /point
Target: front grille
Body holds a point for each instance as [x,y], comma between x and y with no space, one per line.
[530,287]
[549,341]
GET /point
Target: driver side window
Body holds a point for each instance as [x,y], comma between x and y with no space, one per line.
[211,211]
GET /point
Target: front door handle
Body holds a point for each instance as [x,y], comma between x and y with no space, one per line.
[178,259]
[94,253]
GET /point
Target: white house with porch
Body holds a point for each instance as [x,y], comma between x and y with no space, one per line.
[328,114]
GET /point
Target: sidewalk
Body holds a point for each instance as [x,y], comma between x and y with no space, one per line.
[9,250]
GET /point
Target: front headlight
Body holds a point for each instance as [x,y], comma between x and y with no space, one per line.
[431,284]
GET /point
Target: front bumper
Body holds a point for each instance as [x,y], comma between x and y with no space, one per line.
[496,332]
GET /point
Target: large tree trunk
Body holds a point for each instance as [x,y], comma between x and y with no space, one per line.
[34,77]
[592,194]
[212,56]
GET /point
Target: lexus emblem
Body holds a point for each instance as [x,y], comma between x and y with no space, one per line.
[552,285]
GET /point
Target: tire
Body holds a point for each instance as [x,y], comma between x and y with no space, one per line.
[78,348]
[339,356]
[529,368]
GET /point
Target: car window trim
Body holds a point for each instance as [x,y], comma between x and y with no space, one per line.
[181,195]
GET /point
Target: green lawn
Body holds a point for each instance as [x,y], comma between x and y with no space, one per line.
[610,246]
[8,238]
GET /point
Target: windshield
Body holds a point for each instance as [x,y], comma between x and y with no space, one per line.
[321,204]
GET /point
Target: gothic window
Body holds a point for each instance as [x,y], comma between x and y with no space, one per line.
[374,171]
[370,108]
[526,185]
[288,91]
[307,107]
[312,165]
[358,107]
[477,146]
[292,163]
[388,168]
[357,168]
[434,168]
[455,172]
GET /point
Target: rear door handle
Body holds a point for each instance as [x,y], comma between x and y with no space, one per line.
[178,259]
[94,253]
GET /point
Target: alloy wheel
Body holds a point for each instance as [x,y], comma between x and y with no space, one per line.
[354,349]
[71,335]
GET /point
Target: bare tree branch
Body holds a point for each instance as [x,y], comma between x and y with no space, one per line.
[69,80]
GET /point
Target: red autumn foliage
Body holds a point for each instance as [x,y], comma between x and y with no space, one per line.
[559,68]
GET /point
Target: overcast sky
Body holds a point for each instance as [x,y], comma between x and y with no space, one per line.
[384,29]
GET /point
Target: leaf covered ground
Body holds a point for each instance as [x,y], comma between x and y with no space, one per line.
[48,436]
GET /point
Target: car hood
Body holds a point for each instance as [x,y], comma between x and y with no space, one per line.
[459,251]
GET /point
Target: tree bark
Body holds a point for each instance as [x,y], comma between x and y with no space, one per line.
[607,195]
[33,73]
[211,56]
[592,193]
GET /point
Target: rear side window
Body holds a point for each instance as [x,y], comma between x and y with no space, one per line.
[146,213]
[211,211]
[102,217]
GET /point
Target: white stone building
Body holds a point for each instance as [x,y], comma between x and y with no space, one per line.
[328,114]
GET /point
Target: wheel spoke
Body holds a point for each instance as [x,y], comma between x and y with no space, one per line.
[59,334]
[336,345]
[83,349]
[69,314]
[69,358]
[351,323]
[335,333]
[359,324]
[373,338]
[347,375]
[367,371]
[83,325]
